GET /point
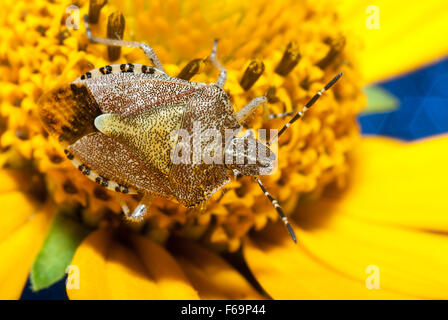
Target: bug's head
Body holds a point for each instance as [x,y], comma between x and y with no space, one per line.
[249,156]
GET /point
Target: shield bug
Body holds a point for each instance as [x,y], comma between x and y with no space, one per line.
[120,123]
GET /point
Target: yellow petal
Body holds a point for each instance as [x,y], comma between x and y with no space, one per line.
[16,211]
[410,262]
[17,207]
[393,182]
[133,269]
[409,34]
[23,227]
[286,271]
[396,190]
[19,247]
[9,181]
[211,275]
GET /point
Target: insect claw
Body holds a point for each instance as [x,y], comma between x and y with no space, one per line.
[138,214]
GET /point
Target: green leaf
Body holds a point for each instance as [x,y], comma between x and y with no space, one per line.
[379,100]
[57,251]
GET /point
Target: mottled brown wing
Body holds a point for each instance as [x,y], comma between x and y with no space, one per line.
[68,112]
[113,160]
[131,88]
[195,183]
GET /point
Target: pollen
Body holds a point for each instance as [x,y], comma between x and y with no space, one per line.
[287,50]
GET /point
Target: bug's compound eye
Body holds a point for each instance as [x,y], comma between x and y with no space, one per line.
[249,156]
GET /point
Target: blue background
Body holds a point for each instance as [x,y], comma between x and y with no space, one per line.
[423,112]
[423,109]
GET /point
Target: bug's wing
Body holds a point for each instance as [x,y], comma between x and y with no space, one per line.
[68,112]
[194,183]
[131,88]
[114,161]
[150,134]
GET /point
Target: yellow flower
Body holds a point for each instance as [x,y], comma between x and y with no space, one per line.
[179,33]
[388,227]
[23,227]
[374,223]
[407,35]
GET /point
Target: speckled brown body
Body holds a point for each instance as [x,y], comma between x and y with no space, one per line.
[129,150]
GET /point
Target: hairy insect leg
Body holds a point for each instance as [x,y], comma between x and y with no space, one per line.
[248,109]
[278,209]
[222,78]
[140,210]
[149,52]
[125,208]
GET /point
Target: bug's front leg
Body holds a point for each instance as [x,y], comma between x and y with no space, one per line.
[149,52]
[140,211]
[248,109]
[222,78]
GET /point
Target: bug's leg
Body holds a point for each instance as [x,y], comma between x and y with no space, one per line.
[222,78]
[125,208]
[272,98]
[149,52]
[249,108]
[278,209]
[280,115]
[140,210]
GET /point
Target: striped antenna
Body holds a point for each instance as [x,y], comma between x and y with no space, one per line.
[279,210]
[308,105]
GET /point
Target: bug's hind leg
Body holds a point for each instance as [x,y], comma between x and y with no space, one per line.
[140,211]
[149,52]
[222,78]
